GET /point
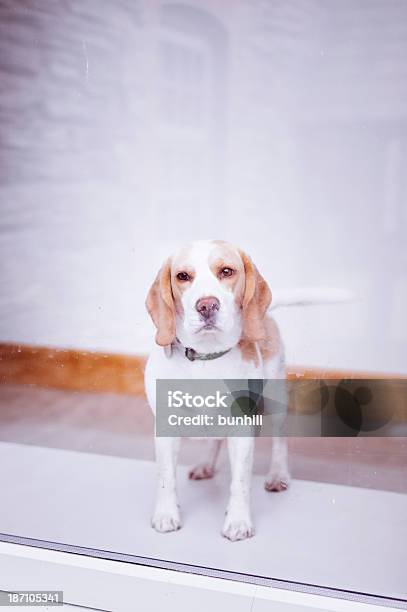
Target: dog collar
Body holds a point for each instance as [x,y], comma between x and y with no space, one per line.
[193,355]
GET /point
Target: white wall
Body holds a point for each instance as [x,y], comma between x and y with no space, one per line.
[127,130]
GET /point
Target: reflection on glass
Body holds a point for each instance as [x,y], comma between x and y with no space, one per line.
[129,130]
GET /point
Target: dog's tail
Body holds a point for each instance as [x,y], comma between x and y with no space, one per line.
[310,296]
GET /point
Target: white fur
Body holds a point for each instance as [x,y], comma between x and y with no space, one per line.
[206,284]
[172,364]
[238,524]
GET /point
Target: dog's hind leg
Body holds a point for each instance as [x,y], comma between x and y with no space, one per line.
[278,477]
[207,468]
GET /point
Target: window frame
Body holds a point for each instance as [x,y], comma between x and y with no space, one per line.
[106,584]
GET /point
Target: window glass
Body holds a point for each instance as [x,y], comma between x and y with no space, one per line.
[130,130]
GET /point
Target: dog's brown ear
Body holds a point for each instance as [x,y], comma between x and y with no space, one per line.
[256,300]
[160,305]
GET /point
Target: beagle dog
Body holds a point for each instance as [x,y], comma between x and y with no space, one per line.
[209,298]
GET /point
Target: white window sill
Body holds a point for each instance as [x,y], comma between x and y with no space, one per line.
[123,587]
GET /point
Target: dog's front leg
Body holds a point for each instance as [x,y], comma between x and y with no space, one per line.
[238,524]
[166,514]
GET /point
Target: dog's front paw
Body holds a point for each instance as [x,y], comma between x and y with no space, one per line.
[201,472]
[164,521]
[235,529]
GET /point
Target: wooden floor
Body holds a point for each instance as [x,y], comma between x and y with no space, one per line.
[122,425]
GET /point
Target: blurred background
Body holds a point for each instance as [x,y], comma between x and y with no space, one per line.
[130,128]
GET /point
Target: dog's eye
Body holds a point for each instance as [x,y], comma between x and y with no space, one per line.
[183,276]
[225,272]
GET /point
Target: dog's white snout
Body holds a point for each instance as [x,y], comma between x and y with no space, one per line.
[207,307]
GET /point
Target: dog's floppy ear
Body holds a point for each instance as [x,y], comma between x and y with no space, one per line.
[160,305]
[256,300]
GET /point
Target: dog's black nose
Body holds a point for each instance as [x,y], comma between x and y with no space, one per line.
[207,307]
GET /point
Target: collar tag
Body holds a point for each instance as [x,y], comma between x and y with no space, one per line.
[190,354]
[193,355]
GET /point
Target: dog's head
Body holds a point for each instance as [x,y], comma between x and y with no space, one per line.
[209,295]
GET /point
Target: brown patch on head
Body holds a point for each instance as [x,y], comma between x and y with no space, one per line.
[181,264]
[160,305]
[256,300]
[226,264]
